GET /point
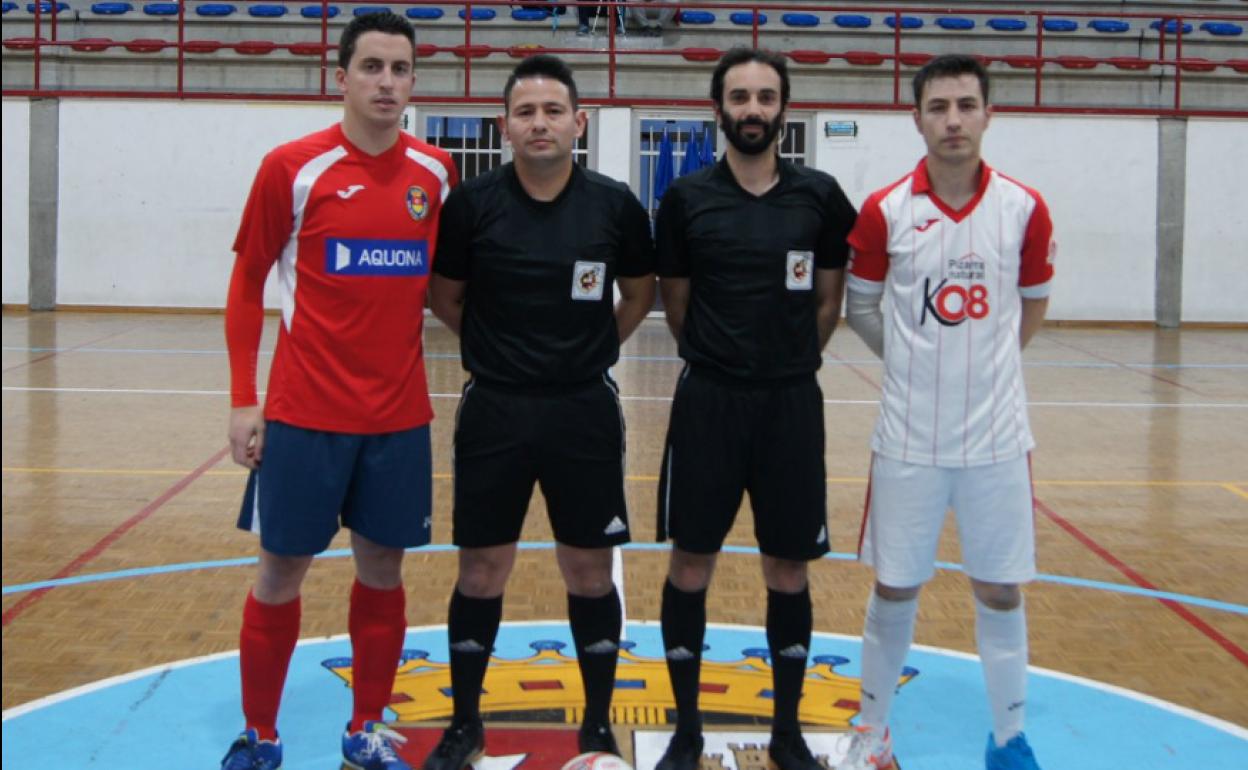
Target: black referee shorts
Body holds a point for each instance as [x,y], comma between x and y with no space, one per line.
[569,440]
[728,437]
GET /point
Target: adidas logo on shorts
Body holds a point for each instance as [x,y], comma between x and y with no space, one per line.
[616,526]
[467,645]
[601,646]
[679,653]
[794,651]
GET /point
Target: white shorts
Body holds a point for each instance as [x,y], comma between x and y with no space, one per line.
[905,512]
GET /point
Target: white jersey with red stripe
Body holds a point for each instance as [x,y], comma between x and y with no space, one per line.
[953,391]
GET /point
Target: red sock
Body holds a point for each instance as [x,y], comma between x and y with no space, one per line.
[265,646]
[377,622]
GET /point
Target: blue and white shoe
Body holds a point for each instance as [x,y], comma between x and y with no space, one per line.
[248,752]
[372,748]
[1015,755]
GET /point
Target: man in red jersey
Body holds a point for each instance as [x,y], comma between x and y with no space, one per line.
[965,255]
[350,215]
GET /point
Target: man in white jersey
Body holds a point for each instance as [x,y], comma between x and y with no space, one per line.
[965,255]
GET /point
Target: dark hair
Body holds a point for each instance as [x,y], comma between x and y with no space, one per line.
[387,22]
[950,65]
[541,65]
[742,55]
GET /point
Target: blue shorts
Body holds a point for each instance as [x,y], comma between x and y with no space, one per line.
[310,482]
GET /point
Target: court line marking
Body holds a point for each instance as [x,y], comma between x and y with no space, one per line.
[664,399]
[1209,631]
[1234,488]
[55,352]
[88,555]
[1115,362]
[828,358]
[1151,592]
[1222,725]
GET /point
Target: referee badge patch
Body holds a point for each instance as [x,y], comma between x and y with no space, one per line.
[800,275]
[587,280]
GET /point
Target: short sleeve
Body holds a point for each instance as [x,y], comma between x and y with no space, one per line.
[669,236]
[1038,252]
[838,219]
[636,257]
[454,237]
[268,217]
[869,240]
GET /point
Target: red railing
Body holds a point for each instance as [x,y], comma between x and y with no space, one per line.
[1172,67]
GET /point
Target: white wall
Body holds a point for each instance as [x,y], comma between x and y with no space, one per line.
[1097,174]
[16,202]
[1215,232]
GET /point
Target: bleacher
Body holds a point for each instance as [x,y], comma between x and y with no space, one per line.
[1135,55]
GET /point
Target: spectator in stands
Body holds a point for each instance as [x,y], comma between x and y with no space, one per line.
[587,17]
[652,20]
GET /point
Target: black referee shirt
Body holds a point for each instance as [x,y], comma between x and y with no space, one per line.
[539,308]
[751,262]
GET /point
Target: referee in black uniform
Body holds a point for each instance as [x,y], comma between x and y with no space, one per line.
[527,256]
[751,256]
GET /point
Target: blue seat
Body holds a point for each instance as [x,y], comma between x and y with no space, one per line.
[478,14]
[746,18]
[697,17]
[424,13]
[1224,28]
[1007,25]
[314,11]
[9,7]
[1060,25]
[800,19]
[530,14]
[1109,26]
[46,7]
[907,22]
[1171,26]
[161,9]
[215,9]
[851,21]
[267,11]
[368,10]
[955,23]
[111,9]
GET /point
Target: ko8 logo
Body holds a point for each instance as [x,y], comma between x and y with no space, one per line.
[952,303]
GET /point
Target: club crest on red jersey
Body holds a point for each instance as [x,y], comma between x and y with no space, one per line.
[417,202]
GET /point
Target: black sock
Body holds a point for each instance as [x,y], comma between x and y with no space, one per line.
[683,619]
[789,621]
[471,627]
[595,622]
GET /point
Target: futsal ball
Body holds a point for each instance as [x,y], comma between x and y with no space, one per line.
[597,760]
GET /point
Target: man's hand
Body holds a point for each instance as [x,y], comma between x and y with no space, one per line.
[247,435]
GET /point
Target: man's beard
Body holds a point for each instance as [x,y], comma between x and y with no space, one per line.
[745,144]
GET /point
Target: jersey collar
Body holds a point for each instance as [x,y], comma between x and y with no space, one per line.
[783,173]
[922,184]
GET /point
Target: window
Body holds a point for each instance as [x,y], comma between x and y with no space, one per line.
[476,143]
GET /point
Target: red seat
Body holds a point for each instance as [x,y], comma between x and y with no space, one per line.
[425,50]
[146,45]
[1130,63]
[806,56]
[864,58]
[1239,65]
[1077,62]
[471,51]
[255,47]
[701,54]
[1197,64]
[202,46]
[306,49]
[92,44]
[23,43]
[1021,62]
[526,50]
[916,59]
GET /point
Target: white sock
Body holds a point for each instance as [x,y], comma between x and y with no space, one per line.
[1002,640]
[886,638]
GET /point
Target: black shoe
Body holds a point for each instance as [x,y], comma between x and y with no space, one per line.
[684,752]
[597,737]
[461,743]
[790,752]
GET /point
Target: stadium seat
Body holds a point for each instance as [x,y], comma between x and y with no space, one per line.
[1222,28]
[525,51]
[800,20]
[9,7]
[907,22]
[305,49]
[478,14]
[530,14]
[916,59]
[746,18]
[1239,65]
[111,9]
[1077,62]
[202,46]
[864,58]
[1007,25]
[851,21]
[23,43]
[91,44]
[1109,26]
[697,17]
[314,11]
[1021,62]
[215,9]
[425,50]
[956,23]
[161,9]
[147,45]
[1172,26]
[255,47]
[803,56]
[267,11]
[701,54]
[368,10]
[1130,63]
[471,51]
[424,13]
[1060,25]
[1197,64]
[46,7]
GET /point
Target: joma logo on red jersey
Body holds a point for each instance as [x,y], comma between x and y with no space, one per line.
[952,303]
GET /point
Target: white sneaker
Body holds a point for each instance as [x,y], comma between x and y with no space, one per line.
[869,749]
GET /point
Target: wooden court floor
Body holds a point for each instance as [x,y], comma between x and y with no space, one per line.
[114,459]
